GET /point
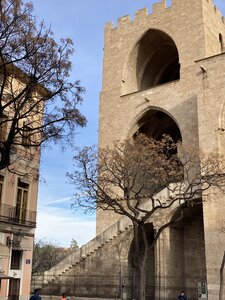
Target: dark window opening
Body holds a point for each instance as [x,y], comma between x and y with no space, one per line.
[221,42]
[16,259]
[158,59]
[156,123]
[21,201]
[153,60]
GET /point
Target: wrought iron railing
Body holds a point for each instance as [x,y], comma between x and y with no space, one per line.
[15,215]
[117,287]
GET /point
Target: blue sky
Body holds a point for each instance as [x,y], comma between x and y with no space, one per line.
[83,21]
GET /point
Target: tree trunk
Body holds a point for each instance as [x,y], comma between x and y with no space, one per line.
[139,260]
[222,278]
[141,280]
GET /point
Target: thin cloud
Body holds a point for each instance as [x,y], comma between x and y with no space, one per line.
[61,226]
[55,201]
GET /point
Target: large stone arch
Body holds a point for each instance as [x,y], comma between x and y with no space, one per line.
[154,122]
[153,60]
[185,266]
[150,264]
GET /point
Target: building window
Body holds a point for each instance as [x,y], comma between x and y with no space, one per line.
[16,259]
[21,201]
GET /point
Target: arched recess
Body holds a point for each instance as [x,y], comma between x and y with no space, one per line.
[153,60]
[150,264]
[186,263]
[155,123]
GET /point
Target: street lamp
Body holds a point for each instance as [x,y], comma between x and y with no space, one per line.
[17,238]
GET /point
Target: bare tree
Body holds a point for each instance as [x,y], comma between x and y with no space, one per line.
[47,254]
[38,102]
[127,179]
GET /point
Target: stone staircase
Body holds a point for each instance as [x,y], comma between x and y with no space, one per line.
[54,274]
[84,251]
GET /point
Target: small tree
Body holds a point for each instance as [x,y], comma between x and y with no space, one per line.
[38,102]
[46,255]
[117,179]
[73,245]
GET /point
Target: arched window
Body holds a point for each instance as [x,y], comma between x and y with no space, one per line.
[154,60]
[156,123]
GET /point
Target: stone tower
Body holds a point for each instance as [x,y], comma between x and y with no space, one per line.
[164,72]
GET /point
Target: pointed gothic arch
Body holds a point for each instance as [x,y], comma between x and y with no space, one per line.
[153,60]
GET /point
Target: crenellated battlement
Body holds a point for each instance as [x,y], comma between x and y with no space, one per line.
[109,26]
[215,9]
[141,14]
[159,7]
[123,21]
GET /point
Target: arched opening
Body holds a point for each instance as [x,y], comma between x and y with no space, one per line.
[150,264]
[186,254]
[156,123]
[154,60]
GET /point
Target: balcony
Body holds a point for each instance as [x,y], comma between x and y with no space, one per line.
[18,216]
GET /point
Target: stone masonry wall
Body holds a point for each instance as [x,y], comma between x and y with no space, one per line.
[196,102]
[97,274]
[119,113]
[214,25]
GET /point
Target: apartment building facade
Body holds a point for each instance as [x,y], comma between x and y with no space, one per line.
[17,223]
[18,191]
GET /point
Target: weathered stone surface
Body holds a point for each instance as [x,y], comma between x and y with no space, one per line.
[144,53]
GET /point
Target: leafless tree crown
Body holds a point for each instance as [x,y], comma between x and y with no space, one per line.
[38,102]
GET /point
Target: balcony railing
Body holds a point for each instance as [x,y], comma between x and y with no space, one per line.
[15,215]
